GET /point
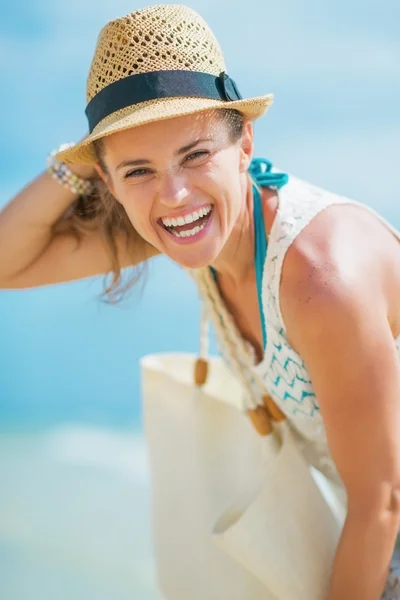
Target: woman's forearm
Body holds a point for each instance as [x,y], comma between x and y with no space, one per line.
[26,222]
[363,557]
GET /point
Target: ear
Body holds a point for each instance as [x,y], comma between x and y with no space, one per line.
[101,173]
[105,177]
[246,146]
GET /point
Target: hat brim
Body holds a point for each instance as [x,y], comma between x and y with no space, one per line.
[157,110]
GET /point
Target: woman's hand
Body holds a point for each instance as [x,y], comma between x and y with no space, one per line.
[84,171]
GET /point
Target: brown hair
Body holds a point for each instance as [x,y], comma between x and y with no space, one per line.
[101,212]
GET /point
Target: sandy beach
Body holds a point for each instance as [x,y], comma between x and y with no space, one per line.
[74,516]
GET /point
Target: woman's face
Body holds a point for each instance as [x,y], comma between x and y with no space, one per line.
[182,183]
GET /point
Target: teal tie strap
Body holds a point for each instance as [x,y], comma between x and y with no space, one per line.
[260,254]
[260,171]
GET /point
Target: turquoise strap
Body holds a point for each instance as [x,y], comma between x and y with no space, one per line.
[260,171]
[260,254]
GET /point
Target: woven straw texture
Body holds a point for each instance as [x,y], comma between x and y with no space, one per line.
[156,38]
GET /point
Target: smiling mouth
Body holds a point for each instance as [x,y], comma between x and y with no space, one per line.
[197,222]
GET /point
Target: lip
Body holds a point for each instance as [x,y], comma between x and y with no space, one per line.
[183,213]
[193,238]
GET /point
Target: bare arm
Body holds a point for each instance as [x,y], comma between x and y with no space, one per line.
[337,316]
[30,255]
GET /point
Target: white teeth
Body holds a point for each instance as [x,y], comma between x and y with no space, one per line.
[189,232]
[194,216]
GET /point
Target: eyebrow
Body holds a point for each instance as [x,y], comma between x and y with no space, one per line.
[145,161]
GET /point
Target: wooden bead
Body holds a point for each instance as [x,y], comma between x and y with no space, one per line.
[261,421]
[273,409]
[200,371]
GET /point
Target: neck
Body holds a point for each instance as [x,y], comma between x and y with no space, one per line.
[236,260]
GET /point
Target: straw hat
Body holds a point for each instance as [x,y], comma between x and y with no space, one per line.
[156,63]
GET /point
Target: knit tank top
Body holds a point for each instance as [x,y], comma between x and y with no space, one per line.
[282,369]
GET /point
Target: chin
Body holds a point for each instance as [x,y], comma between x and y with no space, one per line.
[195,260]
[192,264]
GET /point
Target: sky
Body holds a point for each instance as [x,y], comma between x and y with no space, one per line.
[334,67]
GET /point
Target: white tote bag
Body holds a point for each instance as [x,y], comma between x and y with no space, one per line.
[235,515]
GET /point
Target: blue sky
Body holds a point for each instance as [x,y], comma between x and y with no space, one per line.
[335,70]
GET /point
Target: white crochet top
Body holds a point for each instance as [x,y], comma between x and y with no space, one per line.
[282,370]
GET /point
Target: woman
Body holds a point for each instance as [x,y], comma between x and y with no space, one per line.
[171,144]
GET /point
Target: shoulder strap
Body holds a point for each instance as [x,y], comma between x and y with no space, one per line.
[260,254]
[261,172]
[262,175]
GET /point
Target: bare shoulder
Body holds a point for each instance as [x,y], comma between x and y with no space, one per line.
[344,260]
[67,259]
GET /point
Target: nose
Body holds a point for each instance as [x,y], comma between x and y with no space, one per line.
[173,191]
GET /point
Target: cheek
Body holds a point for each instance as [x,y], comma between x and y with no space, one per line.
[138,208]
[223,178]
[140,218]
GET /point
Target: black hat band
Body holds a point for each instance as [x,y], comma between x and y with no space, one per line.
[159,84]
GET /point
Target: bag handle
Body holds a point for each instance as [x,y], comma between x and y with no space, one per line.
[202,365]
[262,415]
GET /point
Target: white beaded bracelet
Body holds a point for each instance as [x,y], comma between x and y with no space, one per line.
[64,176]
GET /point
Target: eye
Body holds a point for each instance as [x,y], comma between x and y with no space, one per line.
[136,173]
[196,155]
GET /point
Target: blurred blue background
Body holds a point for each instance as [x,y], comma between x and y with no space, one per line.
[74,514]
